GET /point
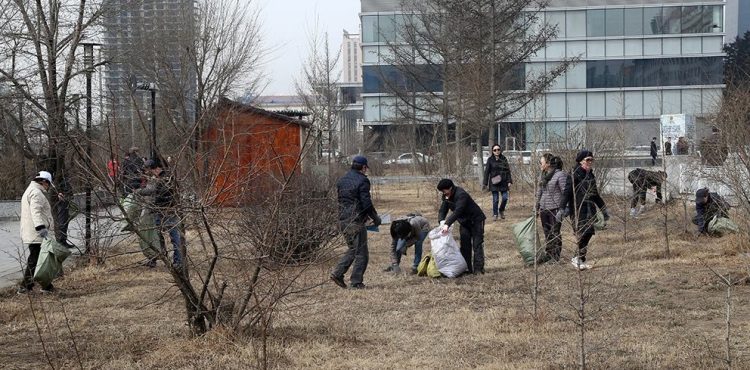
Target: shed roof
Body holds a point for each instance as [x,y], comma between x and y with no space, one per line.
[225,103]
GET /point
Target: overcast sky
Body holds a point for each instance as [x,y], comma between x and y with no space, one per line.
[285,26]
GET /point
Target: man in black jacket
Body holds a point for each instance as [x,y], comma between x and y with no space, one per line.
[162,188]
[132,167]
[708,205]
[355,208]
[643,180]
[470,216]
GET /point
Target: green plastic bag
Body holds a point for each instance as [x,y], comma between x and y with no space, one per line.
[722,226]
[149,235]
[131,207]
[428,267]
[600,223]
[525,234]
[49,264]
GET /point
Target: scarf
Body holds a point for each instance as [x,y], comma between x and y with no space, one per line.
[546,177]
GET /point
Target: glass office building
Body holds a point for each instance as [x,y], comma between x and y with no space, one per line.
[638,60]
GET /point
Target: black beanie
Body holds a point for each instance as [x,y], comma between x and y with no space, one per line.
[445,184]
[583,154]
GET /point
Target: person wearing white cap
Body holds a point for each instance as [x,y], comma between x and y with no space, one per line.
[36,221]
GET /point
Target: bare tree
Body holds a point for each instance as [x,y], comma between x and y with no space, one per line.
[319,90]
[463,62]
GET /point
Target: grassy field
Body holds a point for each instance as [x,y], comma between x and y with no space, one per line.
[641,309]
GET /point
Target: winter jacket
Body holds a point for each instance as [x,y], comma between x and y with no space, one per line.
[497,166]
[643,180]
[465,210]
[132,167]
[550,196]
[418,225]
[162,188]
[355,203]
[715,206]
[581,197]
[36,213]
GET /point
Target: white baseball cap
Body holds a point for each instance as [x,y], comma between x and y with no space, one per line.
[44,175]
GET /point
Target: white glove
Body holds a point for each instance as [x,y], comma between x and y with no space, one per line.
[444,227]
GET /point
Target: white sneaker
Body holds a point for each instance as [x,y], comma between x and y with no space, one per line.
[576,262]
[633,213]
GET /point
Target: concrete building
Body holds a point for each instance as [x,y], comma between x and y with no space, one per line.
[351,58]
[145,42]
[638,60]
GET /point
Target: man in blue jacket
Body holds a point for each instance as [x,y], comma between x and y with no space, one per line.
[471,218]
[355,208]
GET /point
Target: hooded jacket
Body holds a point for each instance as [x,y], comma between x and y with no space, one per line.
[36,212]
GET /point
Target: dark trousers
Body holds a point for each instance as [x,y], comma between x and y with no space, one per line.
[28,274]
[639,194]
[653,160]
[583,244]
[496,199]
[62,220]
[472,240]
[356,253]
[552,237]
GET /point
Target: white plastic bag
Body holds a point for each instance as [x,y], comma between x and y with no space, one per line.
[447,254]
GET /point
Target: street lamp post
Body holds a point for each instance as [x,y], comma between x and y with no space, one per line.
[88,62]
[152,88]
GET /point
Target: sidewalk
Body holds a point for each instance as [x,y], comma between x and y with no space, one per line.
[12,251]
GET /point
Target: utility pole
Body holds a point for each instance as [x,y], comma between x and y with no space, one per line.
[88,62]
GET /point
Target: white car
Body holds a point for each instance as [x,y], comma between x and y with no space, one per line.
[518,156]
[409,158]
[485,155]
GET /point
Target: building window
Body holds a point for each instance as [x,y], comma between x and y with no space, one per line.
[370,28]
[633,22]
[652,21]
[672,17]
[595,23]
[614,22]
[654,72]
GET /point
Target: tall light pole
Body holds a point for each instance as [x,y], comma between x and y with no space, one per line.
[152,143]
[88,62]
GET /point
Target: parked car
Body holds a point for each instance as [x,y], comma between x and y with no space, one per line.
[409,158]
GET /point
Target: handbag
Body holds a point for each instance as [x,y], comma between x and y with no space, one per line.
[496,179]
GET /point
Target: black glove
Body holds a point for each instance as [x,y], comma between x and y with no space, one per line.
[376,220]
[605,214]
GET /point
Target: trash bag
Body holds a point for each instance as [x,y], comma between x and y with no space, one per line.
[49,264]
[721,226]
[447,254]
[600,223]
[427,267]
[149,235]
[131,207]
[526,239]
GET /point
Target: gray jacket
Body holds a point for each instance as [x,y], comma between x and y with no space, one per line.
[550,197]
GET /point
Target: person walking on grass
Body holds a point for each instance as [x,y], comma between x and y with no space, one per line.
[580,200]
[36,223]
[642,181]
[405,232]
[497,179]
[470,217]
[355,208]
[654,151]
[549,198]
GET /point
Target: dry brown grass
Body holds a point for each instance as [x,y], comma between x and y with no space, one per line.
[651,311]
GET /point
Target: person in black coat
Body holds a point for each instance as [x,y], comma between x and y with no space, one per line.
[580,200]
[708,205]
[470,217]
[643,180]
[355,208]
[654,151]
[497,179]
[132,171]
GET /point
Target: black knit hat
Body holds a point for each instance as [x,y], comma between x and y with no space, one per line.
[583,154]
[445,184]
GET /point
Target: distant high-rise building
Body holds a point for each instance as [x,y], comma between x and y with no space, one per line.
[147,42]
[351,58]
